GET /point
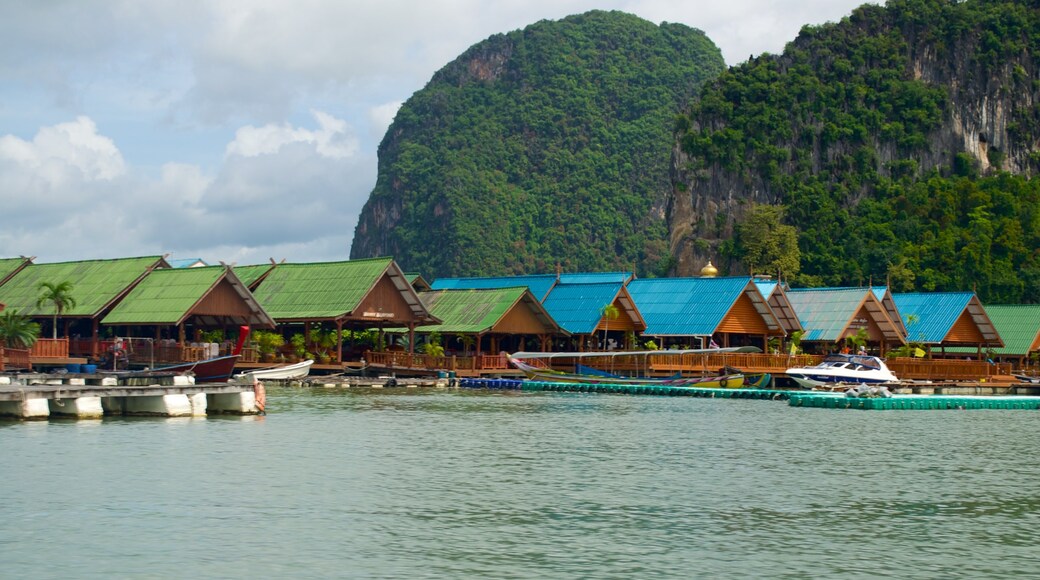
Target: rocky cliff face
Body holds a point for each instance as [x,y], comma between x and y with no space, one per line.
[988,109]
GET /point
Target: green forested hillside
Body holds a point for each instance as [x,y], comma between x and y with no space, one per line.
[901,142]
[541,146]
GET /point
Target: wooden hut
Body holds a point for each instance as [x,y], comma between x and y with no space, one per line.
[947,319]
[1019,328]
[694,312]
[170,305]
[97,286]
[830,315]
[496,318]
[581,309]
[356,294]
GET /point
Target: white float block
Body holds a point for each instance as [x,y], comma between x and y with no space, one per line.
[77,381]
[5,380]
[183,380]
[198,404]
[243,403]
[27,409]
[80,407]
[109,382]
[161,405]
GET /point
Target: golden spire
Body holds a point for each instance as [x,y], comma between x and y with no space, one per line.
[709,271]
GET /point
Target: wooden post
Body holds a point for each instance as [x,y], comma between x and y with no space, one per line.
[411,338]
[95,347]
[339,340]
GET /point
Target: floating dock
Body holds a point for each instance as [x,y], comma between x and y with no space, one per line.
[911,402]
[654,390]
[97,396]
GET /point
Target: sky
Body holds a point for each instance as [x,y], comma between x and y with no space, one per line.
[240,131]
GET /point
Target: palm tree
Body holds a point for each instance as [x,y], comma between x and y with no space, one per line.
[58,295]
[609,312]
[17,331]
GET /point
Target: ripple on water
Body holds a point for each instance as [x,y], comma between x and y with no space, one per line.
[400,482]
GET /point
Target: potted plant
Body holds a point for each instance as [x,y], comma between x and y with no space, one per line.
[267,343]
[299,346]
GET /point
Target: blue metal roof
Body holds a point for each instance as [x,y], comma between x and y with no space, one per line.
[766,287]
[935,313]
[685,306]
[186,263]
[596,277]
[539,284]
[578,308]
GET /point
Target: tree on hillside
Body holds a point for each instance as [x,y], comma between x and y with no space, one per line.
[765,244]
[57,295]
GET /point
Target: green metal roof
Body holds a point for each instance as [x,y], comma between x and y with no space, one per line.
[323,290]
[826,313]
[540,284]
[249,275]
[95,284]
[477,310]
[1018,325]
[8,266]
[166,297]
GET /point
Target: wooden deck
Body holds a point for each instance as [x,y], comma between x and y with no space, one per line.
[652,364]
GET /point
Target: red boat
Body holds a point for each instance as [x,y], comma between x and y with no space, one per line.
[212,370]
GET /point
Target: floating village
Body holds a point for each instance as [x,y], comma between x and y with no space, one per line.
[155,336]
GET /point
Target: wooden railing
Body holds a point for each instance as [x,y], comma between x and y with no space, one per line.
[17,358]
[950,370]
[405,360]
[50,348]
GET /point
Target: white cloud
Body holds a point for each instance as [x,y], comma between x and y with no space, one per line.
[333,138]
[294,190]
[56,151]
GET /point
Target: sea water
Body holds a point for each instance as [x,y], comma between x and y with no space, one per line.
[408,483]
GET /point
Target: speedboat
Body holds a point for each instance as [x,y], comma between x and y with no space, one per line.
[843,369]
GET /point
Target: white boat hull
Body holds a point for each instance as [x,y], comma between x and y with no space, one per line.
[843,370]
[285,372]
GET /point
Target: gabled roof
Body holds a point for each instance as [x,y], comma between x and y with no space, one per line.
[418,282]
[578,307]
[540,284]
[884,294]
[1019,327]
[596,277]
[170,296]
[782,307]
[931,317]
[96,284]
[695,306]
[827,314]
[481,310]
[331,290]
[11,266]
[253,274]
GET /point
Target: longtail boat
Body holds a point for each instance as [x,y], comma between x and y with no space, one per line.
[591,375]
